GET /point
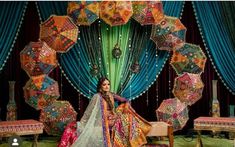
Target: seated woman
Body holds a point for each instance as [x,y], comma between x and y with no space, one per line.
[103,125]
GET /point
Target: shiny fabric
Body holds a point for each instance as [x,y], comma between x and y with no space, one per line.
[129,129]
[69,136]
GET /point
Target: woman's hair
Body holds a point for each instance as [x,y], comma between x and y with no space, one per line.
[105,96]
[100,82]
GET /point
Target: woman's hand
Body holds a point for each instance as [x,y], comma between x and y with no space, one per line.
[119,98]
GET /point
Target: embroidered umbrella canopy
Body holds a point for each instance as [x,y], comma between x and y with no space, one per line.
[40,91]
[189,58]
[169,34]
[188,88]
[56,116]
[173,112]
[147,12]
[59,32]
[38,58]
[83,12]
[115,12]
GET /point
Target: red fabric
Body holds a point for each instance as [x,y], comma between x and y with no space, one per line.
[69,136]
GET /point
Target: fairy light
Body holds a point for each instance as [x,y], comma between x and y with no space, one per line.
[61,83]
[156,88]
[99,38]
[169,76]
[146,75]
[79,80]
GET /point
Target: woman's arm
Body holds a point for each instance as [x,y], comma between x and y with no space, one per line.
[119,98]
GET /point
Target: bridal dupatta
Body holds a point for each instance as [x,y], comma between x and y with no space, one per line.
[93,130]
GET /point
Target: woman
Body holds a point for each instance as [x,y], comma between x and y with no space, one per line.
[103,125]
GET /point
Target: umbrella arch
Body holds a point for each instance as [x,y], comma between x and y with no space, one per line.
[77,67]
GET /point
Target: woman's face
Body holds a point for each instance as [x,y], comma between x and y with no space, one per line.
[105,87]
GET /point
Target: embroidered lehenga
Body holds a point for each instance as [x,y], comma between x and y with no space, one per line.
[93,130]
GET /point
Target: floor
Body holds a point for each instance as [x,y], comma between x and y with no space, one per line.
[179,141]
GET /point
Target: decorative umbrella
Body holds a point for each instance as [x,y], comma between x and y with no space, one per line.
[41,91]
[56,116]
[188,88]
[173,112]
[83,12]
[148,12]
[189,58]
[115,12]
[38,58]
[59,32]
[169,34]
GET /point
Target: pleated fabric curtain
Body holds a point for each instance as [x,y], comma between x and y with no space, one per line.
[94,47]
[216,23]
[11,16]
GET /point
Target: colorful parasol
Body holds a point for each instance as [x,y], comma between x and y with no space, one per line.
[148,12]
[173,112]
[41,91]
[83,12]
[38,58]
[169,34]
[115,12]
[189,58]
[56,116]
[59,32]
[188,88]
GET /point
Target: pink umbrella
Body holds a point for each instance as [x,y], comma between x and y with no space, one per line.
[148,12]
[188,88]
[173,112]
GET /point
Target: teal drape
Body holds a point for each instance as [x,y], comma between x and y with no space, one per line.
[77,63]
[11,16]
[216,23]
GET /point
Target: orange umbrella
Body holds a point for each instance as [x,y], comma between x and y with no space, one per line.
[115,12]
[59,32]
[189,58]
[169,34]
[148,12]
[56,116]
[41,91]
[38,58]
[83,12]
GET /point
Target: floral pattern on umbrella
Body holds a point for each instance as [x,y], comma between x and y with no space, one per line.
[59,32]
[38,58]
[115,12]
[41,91]
[174,112]
[83,12]
[189,58]
[148,12]
[56,116]
[188,88]
[169,34]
